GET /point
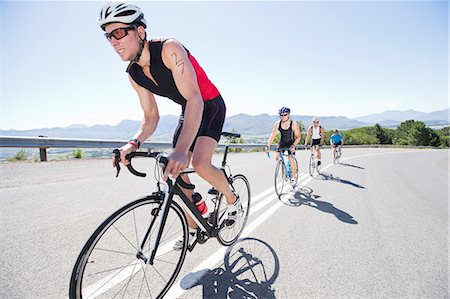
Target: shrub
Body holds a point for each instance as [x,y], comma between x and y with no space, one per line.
[78,154]
[21,155]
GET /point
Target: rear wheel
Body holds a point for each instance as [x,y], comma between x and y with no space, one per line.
[113,262]
[229,234]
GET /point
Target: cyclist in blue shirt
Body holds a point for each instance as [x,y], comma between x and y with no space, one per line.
[336,141]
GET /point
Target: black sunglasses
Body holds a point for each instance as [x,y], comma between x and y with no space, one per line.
[119,33]
[284,114]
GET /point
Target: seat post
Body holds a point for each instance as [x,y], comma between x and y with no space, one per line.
[224,161]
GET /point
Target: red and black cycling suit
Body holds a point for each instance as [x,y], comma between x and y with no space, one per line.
[214,107]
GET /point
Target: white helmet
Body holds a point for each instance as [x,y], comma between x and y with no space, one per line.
[121,12]
[315,119]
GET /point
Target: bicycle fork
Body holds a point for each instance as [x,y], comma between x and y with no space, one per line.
[160,226]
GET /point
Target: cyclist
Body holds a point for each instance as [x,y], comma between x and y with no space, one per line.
[317,135]
[166,68]
[289,136]
[336,141]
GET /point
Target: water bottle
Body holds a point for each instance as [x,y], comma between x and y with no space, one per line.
[199,203]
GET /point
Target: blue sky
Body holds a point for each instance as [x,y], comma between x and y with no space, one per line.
[319,58]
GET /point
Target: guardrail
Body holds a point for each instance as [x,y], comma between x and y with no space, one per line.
[44,143]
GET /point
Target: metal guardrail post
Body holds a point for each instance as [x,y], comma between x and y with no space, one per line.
[43,151]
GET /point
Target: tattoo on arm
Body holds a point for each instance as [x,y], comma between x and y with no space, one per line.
[179,63]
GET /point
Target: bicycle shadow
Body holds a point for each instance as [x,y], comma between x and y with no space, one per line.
[250,268]
[329,177]
[305,196]
[351,165]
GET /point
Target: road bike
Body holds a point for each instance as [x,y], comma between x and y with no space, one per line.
[283,170]
[314,166]
[131,254]
[337,154]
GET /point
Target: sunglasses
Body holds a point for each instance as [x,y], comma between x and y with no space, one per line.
[316,122]
[119,33]
[284,114]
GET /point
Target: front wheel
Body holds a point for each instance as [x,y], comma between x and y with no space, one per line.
[113,262]
[229,234]
[280,177]
[312,165]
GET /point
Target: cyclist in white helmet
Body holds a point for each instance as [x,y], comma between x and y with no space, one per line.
[166,68]
[317,135]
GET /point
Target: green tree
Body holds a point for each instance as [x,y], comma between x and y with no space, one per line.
[444,136]
[382,134]
[413,132]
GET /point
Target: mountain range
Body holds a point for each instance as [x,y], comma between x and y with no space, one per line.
[247,125]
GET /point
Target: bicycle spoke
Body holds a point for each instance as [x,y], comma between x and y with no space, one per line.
[124,237]
[110,270]
[114,251]
[135,228]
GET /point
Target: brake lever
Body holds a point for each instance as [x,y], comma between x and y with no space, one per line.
[116,153]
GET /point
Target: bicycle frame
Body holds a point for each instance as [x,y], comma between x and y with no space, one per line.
[168,191]
[289,155]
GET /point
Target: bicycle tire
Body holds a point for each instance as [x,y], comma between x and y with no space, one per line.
[228,235]
[280,177]
[312,165]
[119,254]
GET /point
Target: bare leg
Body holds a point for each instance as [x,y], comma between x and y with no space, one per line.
[277,157]
[188,193]
[318,153]
[201,161]
[293,167]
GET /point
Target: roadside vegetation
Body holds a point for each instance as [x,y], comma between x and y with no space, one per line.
[21,155]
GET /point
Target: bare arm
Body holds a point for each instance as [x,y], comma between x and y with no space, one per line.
[176,59]
[308,134]
[149,122]
[151,113]
[297,133]
[272,135]
[322,139]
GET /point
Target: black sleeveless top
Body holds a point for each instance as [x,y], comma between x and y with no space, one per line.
[163,76]
[287,136]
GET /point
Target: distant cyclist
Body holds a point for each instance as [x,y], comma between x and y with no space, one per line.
[289,136]
[336,141]
[317,135]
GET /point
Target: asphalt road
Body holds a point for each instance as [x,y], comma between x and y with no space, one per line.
[375,225]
